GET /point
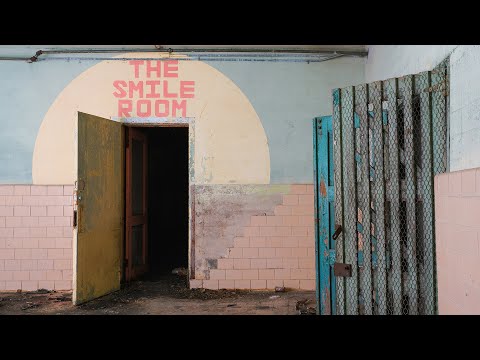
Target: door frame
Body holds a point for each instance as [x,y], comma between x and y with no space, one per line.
[189,123]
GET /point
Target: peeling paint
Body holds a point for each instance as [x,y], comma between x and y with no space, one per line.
[207,166]
[222,212]
[323,189]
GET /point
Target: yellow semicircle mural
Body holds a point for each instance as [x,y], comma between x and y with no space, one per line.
[230,142]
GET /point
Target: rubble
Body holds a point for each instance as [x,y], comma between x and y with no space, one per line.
[303,309]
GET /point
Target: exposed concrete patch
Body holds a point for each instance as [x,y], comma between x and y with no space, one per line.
[222,212]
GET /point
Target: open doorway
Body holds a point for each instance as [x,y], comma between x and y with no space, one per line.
[168,195]
[159,173]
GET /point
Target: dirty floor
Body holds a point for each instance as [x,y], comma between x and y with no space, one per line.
[167,295]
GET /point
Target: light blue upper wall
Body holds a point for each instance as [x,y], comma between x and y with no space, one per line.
[286,96]
[26,93]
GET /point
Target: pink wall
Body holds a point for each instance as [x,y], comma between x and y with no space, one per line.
[35,237]
[457,223]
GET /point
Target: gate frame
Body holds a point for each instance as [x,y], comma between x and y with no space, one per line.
[323,190]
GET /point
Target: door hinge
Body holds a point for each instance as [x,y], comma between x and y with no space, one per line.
[74,218]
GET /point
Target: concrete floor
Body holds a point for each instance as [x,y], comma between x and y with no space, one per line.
[165,296]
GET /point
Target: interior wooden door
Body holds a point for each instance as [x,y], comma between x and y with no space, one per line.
[136,204]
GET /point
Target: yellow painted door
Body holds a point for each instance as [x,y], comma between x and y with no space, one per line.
[98,235]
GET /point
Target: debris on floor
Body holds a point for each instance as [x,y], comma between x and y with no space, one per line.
[303,308]
[29,305]
[41,291]
[61,298]
[161,295]
[279,289]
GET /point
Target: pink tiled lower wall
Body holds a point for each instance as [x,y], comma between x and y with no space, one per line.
[274,249]
[273,244]
[35,237]
[457,224]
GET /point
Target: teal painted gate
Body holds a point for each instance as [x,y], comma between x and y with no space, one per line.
[324,214]
[374,198]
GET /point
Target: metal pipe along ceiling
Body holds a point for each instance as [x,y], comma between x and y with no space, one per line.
[211,54]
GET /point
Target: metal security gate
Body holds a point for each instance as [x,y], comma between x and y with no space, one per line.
[389,142]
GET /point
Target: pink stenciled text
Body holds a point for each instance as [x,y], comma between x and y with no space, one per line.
[159,94]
